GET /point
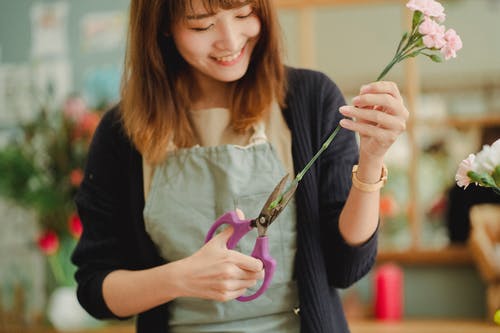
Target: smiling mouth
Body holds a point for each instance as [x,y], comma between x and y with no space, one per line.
[230,58]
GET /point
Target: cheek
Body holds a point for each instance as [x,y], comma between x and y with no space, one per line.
[189,45]
[253,28]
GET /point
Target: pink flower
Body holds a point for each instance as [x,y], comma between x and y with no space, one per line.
[465,166]
[429,8]
[48,242]
[453,44]
[434,36]
[74,109]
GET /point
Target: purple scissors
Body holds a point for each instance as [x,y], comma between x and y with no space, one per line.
[274,205]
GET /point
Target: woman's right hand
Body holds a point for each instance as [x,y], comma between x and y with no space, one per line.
[217,273]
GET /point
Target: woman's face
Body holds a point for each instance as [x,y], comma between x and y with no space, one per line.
[217,46]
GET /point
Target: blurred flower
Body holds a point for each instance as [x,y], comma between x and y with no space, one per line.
[482,169]
[388,206]
[41,168]
[75,225]
[76,177]
[75,108]
[48,242]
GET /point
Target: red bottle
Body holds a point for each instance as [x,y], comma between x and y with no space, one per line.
[388,292]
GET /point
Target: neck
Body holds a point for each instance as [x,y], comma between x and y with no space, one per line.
[212,94]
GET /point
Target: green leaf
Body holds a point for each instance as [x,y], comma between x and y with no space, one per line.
[414,54]
[417,18]
[483,179]
[436,58]
[496,175]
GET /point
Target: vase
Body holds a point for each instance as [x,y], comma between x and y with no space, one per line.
[65,312]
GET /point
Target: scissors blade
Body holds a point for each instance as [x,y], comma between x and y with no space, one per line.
[267,209]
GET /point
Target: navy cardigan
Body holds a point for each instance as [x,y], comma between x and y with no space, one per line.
[110,202]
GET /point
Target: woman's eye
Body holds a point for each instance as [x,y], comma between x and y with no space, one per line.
[202,28]
[245,15]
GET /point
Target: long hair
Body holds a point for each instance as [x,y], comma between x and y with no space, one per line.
[155,90]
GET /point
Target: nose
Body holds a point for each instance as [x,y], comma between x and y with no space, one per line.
[227,37]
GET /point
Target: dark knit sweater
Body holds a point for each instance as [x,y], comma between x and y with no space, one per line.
[111,201]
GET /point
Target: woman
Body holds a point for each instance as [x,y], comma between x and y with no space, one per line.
[210,120]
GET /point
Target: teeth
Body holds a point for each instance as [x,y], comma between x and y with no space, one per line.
[229,58]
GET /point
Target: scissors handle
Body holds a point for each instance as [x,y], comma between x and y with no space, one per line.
[260,250]
[241,228]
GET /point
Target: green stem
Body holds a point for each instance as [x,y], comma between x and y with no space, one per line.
[301,174]
[56,269]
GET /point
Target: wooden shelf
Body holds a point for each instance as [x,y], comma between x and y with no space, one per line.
[451,255]
[419,326]
[489,119]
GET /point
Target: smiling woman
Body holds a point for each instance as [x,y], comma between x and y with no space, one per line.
[209,122]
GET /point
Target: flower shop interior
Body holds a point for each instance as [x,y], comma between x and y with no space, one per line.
[438,264]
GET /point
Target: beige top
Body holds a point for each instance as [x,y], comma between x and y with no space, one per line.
[213,129]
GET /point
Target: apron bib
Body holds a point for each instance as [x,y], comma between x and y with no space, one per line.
[189,191]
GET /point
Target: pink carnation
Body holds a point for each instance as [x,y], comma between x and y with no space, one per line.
[453,44]
[429,8]
[434,35]
[465,166]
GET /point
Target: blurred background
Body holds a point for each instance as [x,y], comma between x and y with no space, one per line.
[60,68]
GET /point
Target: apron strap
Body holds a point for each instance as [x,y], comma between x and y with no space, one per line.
[259,134]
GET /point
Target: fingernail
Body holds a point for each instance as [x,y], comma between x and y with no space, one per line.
[355,99]
[344,109]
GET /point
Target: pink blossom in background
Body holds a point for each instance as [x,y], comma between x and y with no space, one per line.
[464,167]
[76,177]
[74,109]
[75,225]
[453,44]
[429,8]
[434,35]
[48,242]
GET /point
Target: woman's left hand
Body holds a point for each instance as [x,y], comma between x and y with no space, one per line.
[379,117]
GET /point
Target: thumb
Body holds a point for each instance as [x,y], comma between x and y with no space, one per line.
[224,235]
[240,213]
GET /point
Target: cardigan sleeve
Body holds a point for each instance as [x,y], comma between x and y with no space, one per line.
[99,250]
[345,263]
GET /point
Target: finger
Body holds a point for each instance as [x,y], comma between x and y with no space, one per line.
[233,285]
[230,271]
[375,117]
[382,87]
[246,262]
[223,296]
[229,295]
[386,101]
[224,235]
[381,134]
[240,213]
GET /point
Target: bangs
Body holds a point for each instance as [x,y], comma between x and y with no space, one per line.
[181,9]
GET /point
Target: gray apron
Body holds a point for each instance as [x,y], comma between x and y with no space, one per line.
[188,192]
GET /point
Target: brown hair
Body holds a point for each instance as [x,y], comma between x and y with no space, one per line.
[156,81]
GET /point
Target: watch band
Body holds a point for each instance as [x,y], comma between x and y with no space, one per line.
[369,187]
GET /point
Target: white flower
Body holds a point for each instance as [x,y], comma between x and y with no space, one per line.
[488,158]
